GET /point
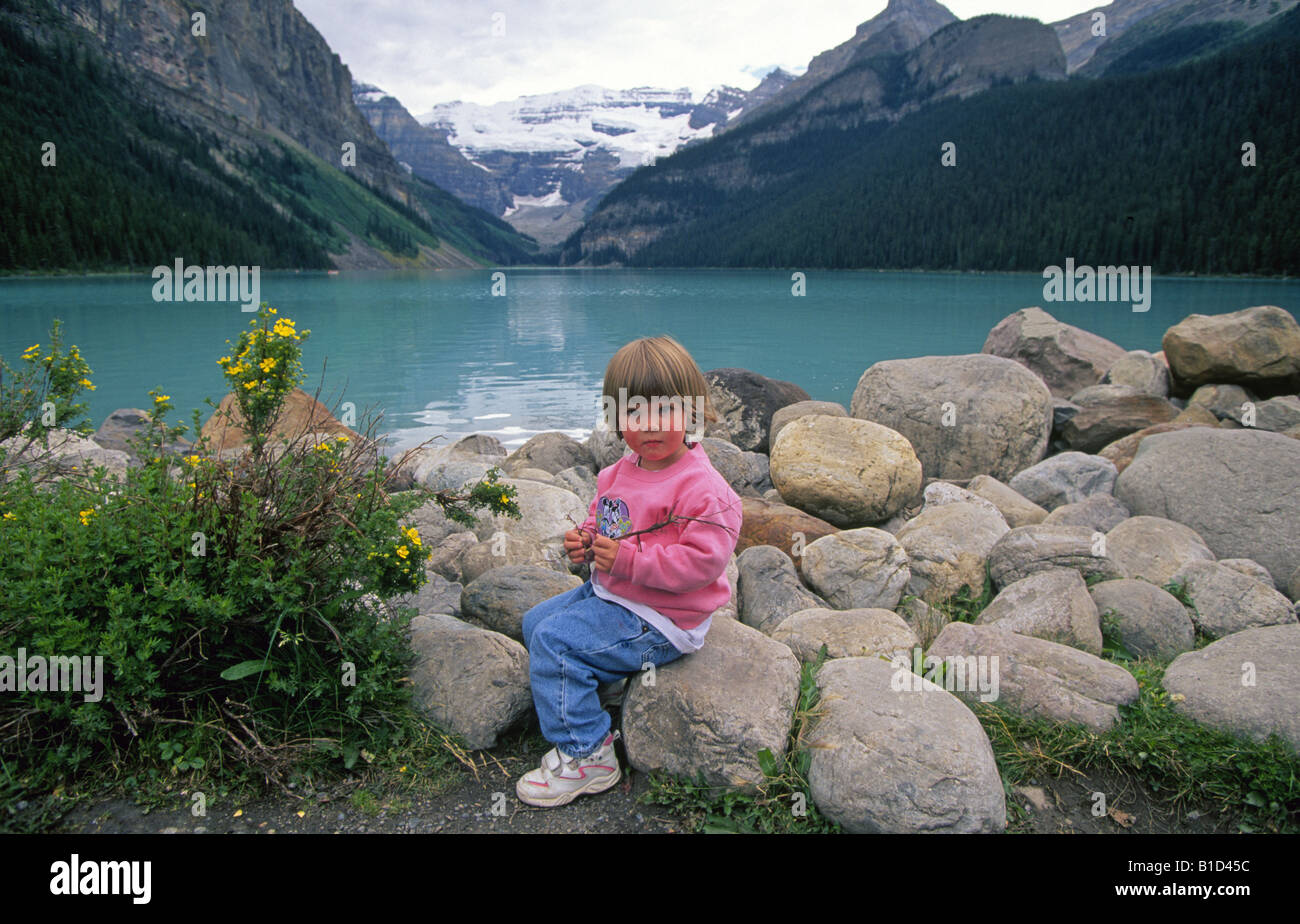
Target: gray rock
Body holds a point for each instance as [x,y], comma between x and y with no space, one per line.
[447,554]
[1293,585]
[746,401]
[471,681]
[1250,568]
[551,452]
[547,511]
[847,471]
[436,595]
[1225,402]
[769,589]
[1066,478]
[938,493]
[579,479]
[887,758]
[850,633]
[1034,677]
[1016,509]
[746,472]
[1027,550]
[605,446]
[1139,370]
[947,549]
[1052,605]
[1228,601]
[712,711]
[1100,513]
[1279,414]
[1154,548]
[500,597]
[1236,488]
[1150,622]
[477,559]
[964,415]
[66,453]
[800,409]
[1245,684]
[856,568]
[1067,358]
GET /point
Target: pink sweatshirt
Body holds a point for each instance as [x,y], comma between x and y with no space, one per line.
[679,569]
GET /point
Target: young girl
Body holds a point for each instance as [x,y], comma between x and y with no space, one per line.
[653,587]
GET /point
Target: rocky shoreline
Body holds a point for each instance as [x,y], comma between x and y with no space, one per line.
[1081,478]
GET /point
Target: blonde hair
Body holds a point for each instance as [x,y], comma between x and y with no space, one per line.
[658,367]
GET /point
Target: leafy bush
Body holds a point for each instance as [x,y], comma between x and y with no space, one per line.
[237,602]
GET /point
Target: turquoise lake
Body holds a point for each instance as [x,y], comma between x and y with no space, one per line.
[439,355]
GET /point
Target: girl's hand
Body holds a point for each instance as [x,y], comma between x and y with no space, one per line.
[606,550]
[577,544]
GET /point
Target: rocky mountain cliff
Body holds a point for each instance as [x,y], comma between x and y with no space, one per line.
[259,84]
[899,27]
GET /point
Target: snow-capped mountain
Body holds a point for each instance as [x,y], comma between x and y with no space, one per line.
[543,162]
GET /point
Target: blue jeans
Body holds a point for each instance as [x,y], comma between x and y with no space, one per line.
[577,641]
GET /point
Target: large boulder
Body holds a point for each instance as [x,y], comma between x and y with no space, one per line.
[1154,548]
[1150,621]
[712,711]
[547,514]
[1235,488]
[300,414]
[1258,348]
[1140,370]
[1227,601]
[897,754]
[773,523]
[769,589]
[947,547]
[1034,677]
[851,633]
[468,680]
[500,597]
[1245,684]
[964,415]
[746,402]
[849,472]
[857,568]
[1121,452]
[1101,513]
[1015,508]
[1026,550]
[1099,424]
[802,409]
[1052,605]
[1065,357]
[61,453]
[746,472]
[551,451]
[1065,478]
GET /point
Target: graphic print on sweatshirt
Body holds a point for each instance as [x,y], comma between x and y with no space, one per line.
[613,520]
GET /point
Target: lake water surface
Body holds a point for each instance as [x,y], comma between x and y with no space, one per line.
[439,355]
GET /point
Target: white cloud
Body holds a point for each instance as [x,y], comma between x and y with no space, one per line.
[434,52]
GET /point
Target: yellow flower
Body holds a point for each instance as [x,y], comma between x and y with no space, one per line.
[252,384]
[87,383]
[192,484]
[270,311]
[402,551]
[10,515]
[267,364]
[193,460]
[161,398]
[342,439]
[414,537]
[401,769]
[34,346]
[86,515]
[223,360]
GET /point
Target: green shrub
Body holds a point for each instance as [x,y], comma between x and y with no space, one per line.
[237,603]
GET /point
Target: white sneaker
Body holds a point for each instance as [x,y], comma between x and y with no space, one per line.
[560,779]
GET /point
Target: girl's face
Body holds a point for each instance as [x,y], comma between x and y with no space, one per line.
[659,442]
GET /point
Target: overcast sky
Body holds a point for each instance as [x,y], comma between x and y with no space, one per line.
[435,51]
